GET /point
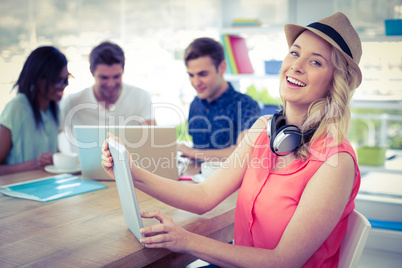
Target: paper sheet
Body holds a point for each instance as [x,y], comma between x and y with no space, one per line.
[51,188]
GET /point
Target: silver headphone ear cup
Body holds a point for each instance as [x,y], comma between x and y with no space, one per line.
[269,127]
[276,121]
[284,144]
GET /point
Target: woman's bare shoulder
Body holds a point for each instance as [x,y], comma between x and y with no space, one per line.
[258,127]
[261,122]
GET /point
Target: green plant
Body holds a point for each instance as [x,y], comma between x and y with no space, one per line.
[263,96]
[182,133]
[365,131]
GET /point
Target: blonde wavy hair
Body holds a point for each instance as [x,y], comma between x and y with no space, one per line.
[331,115]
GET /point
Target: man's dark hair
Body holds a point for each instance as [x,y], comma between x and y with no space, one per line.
[106,53]
[202,47]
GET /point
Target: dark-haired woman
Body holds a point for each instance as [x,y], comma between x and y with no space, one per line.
[29,122]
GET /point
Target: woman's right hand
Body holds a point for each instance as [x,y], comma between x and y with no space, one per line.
[107,159]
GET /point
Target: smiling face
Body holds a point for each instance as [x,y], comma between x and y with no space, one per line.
[307,71]
[108,82]
[206,79]
[55,91]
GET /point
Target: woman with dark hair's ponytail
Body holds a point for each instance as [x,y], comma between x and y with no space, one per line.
[29,123]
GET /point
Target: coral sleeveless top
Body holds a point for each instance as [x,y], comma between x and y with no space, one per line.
[268,199]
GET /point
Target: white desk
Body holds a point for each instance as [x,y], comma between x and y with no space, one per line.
[380,198]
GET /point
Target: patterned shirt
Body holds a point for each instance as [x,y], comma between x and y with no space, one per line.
[216,124]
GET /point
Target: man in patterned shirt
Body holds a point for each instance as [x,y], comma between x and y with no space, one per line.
[219,116]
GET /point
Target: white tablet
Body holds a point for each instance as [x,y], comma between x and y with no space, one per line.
[125,188]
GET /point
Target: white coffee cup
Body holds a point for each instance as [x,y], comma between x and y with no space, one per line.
[207,168]
[64,161]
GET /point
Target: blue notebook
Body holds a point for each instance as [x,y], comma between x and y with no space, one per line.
[51,188]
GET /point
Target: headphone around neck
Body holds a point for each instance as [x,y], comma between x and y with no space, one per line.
[285,139]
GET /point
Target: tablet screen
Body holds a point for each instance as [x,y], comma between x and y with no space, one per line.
[125,188]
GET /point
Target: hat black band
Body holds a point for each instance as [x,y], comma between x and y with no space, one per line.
[331,32]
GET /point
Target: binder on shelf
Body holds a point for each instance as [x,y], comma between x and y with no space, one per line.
[228,65]
[240,54]
[228,48]
[246,22]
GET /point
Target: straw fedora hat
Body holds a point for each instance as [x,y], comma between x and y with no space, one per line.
[336,30]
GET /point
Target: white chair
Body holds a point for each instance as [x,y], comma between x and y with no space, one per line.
[354,241]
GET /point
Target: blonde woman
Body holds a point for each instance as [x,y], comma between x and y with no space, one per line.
[301,178]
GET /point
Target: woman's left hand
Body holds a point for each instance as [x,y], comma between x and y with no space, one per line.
[167,234]
[45,159]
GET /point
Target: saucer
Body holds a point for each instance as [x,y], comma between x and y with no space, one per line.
[54,170]
[198,178]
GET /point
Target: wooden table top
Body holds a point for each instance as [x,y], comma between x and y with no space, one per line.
[88,230]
